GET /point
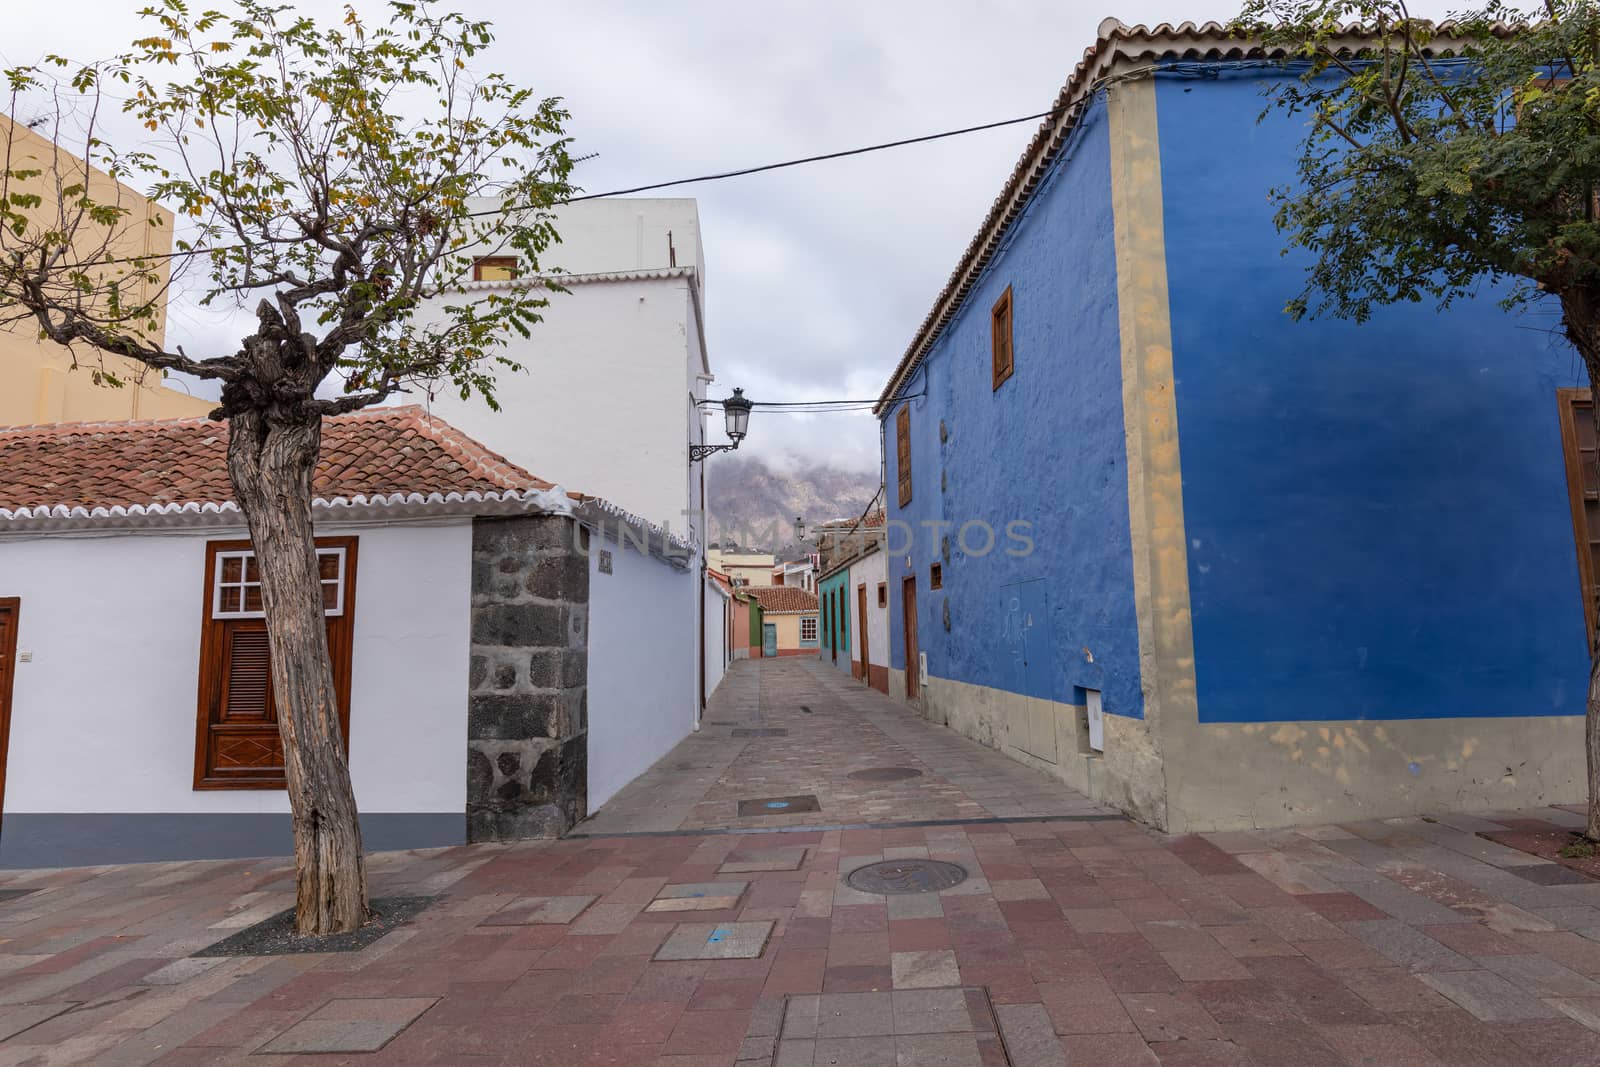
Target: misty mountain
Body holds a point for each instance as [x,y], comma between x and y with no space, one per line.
[755,504]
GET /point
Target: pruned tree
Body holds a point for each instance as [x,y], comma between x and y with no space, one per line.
[1441,156]
[324,178]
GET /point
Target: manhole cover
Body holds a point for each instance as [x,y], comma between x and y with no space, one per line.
[885,774]
[906,876]
[778,805]
[760,731]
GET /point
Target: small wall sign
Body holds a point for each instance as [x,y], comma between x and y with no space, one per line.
[605,561]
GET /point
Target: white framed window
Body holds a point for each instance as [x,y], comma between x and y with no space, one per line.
[808,629]
[236,593]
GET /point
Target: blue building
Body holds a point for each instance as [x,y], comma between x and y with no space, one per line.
[1213,566]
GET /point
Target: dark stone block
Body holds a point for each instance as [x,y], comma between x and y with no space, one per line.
[480,773]
[505,676]
[558,668]
[559,578]
[478,673]
[526,535]
[509,763]
[482,577]
[521,625]
[516,824]
[510,789]
[513,716]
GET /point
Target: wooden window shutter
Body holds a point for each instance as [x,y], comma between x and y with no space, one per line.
[1583,492]
[1002,359]
[237,745]
[902,444]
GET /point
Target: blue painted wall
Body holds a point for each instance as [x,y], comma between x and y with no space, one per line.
[835,634]
[1377,515]
[1046,449]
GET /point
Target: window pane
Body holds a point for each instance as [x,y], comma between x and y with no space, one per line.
[328,566]
[251,572]
[330,595]
[230,569]
[252,598]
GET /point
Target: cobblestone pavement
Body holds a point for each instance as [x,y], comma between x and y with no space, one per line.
[1075,940]
[829,728]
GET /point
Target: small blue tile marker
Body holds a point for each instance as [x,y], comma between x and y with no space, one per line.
[717,935]
[777,803]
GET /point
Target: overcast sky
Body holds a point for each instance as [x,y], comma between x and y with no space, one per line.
[816,277]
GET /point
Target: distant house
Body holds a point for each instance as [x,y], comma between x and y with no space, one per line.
[1214,566]
[508,655]
[797,574]
[787,621]
[744,569]
[853,600]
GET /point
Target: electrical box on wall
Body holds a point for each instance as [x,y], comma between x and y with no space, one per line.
[1097,729]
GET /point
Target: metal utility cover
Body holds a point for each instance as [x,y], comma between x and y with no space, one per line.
[778,806]
[760,731]
[894,877]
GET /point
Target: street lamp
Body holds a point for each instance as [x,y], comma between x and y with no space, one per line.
[800,528]
[736,415]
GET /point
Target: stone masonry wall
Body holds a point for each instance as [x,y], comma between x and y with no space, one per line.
[527,716]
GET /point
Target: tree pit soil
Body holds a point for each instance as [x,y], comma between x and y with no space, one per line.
[1548,845]
[276,936]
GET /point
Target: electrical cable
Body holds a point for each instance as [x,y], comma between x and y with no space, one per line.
[719,176]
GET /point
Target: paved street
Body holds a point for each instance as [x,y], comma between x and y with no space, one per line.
[1078,939]
[794,727]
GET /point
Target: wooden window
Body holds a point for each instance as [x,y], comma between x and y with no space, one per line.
[1583,492]
[883,594]
[1000,338]
[808,629]
[936,576]
[902,445]
[236,724]
[494,268]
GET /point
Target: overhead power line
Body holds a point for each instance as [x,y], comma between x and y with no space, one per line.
[719,176]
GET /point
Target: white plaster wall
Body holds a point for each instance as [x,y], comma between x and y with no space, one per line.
[869,571]
[601,404]
[612,234]
[715,609]
[103,717]
[643,672]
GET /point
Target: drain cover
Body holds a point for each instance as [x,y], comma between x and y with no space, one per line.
[778,805]
[760,731]
[893,877]
[885,774]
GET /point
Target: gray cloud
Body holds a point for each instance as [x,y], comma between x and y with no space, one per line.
[817,277]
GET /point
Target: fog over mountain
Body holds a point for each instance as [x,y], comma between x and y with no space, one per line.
[754,503]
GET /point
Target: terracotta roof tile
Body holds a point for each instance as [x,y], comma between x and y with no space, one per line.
[179,461]
[781,598]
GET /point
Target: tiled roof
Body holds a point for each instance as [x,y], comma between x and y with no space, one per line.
[782,598]
[378,452]
[1119,51]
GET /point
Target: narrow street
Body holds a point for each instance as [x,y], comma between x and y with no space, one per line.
[793,727]
[1063,935]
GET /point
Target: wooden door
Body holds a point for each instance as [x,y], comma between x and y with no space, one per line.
[861,632]
[9,607]
[769,639]
[833,626]
[908,598]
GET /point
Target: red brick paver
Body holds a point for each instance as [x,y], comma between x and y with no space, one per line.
[1087,941]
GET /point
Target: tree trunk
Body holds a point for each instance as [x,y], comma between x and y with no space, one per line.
[270,462]
[1581,321]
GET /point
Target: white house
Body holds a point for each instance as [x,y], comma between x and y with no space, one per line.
[501,647]
[614,381]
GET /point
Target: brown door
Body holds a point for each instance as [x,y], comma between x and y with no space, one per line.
[8,662]
[861,631]
[833,626]
[908,596]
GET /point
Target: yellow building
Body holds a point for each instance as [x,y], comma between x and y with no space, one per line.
[39,382]
[744,569]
